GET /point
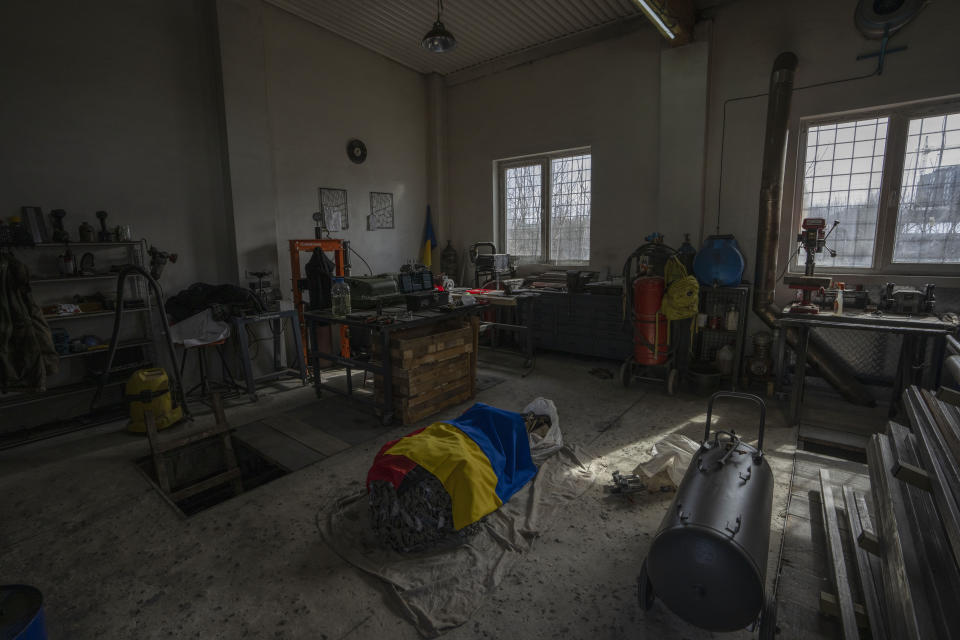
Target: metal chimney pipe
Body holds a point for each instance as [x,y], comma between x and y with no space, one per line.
[834,370]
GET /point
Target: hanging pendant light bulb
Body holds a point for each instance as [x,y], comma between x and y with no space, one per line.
[438,39]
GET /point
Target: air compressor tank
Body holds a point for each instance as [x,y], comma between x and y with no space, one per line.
[708,560]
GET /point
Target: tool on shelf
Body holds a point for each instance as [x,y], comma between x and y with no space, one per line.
[60,234]
[908,300]
[158,260]
[104,235]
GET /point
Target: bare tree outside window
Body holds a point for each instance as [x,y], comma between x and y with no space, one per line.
[523,190]
[928,220]
[547,220]
[570,210]
[842,172]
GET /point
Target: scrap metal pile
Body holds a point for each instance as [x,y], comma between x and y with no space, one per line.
[438,483]
[415,516]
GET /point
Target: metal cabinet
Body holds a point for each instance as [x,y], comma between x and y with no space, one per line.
[581,323]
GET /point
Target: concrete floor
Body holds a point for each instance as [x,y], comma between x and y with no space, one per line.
[115,561]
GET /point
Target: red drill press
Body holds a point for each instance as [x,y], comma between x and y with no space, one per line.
[812,238]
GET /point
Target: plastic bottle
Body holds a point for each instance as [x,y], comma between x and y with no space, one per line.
[340,297]
[838,301]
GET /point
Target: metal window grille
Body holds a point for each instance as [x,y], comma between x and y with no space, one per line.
[843,170]
[928,219]
[523,202]
[546,208]
[570,210]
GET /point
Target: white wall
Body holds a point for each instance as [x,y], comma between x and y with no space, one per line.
[322,91]
[113,105]
[604,95]
[748,35]
[684,74]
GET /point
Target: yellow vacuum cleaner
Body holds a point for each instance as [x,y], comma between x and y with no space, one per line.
[149,390]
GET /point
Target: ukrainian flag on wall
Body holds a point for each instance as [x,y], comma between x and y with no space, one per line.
[429,242]
[482,458]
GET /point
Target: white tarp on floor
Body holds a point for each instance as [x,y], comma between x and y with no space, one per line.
[441,588]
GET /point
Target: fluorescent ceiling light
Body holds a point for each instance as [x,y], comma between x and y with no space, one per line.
[656,18]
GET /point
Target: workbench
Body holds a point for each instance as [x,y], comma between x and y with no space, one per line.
[915,331]
[392,320]
[275,320]
[512,312]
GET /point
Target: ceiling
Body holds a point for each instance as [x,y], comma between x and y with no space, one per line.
[485,30]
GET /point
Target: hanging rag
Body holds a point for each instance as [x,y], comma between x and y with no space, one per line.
[682,296]
[27,354]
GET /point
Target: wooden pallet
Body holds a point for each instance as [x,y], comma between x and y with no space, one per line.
[431,371]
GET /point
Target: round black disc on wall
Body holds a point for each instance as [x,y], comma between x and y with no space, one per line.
[356,151]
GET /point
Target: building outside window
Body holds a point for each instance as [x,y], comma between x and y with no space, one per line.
[544,207]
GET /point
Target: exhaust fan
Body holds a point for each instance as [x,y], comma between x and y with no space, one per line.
[882,18]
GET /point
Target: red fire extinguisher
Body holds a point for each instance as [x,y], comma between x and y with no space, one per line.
[649,325]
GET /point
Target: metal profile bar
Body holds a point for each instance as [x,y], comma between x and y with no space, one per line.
[901,568]
[871,600]
[904,467]
[841,583]
[943,474]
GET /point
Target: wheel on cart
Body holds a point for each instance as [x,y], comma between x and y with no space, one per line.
[673,379]
[645,595]
[626,372]
[768,620]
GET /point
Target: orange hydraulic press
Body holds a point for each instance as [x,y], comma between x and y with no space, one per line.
[340,260]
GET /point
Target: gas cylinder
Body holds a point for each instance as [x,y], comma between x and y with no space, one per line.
[649,325]
[708,560]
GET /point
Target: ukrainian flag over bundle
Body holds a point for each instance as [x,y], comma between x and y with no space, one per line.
[446,477]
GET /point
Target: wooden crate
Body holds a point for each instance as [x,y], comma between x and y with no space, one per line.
[431,371]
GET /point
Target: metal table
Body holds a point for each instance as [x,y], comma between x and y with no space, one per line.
[518,307]
[915,330]
[274,318]
[370,321]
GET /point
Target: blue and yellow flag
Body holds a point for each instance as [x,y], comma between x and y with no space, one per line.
[482,458]
[429,242]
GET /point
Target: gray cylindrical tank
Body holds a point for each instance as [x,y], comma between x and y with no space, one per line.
[708,560]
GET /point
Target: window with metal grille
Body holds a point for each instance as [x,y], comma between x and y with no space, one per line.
[545,207]
[891,178]
[928,222]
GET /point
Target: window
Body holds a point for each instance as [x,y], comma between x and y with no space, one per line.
[545,208]
[892,180]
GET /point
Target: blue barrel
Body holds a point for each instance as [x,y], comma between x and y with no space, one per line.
[719,262]
[21,613]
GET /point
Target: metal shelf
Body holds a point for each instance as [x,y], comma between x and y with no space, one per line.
[84,244]
[92,314]
[122,345]
[28,397]
[104,276]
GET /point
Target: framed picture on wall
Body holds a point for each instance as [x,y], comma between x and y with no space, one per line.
[381,211]
[333,206]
